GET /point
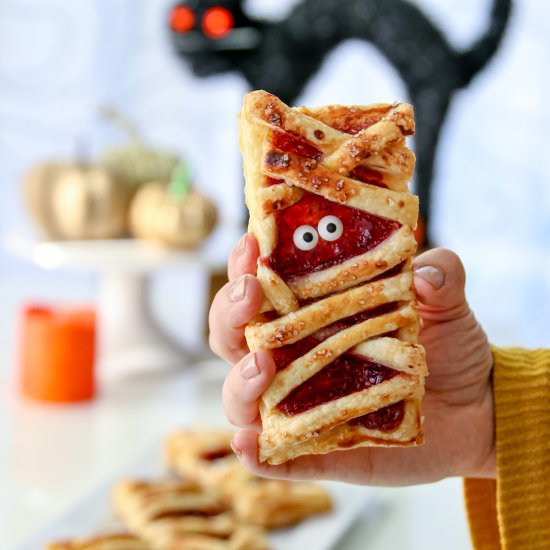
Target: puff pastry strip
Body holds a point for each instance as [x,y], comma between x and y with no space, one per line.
[327,192]
[114,541]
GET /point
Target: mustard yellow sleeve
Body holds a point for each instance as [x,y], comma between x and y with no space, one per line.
[513,512]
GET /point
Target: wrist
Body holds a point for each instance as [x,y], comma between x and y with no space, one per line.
[485,464]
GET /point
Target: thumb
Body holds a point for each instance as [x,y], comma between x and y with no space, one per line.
[439,279]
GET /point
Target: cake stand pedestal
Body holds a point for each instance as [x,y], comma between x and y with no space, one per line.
[130,340]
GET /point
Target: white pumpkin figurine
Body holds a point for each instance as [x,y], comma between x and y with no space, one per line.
[173,214]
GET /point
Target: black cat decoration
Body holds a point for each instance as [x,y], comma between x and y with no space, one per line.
[281,56]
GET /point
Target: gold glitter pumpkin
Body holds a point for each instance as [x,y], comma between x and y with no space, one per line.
[76,201]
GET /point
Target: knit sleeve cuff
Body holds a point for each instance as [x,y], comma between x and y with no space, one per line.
[521,496]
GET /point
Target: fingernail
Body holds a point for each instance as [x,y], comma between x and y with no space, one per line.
[431,274]
[249,368]
[237,292]
[236,450]
[241,246]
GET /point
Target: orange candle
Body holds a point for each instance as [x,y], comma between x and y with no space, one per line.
[58,354]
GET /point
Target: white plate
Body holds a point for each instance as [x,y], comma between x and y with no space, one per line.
[94,513]
[120,254]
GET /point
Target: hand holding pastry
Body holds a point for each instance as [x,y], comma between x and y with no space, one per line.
[457,407]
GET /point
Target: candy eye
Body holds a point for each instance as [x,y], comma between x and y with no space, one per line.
[306,237]
[330,228]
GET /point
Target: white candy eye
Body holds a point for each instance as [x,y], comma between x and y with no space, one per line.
[330,228]
[306,237]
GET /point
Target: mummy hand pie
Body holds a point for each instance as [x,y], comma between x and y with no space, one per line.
[206,457]
[179,515]
[327,192]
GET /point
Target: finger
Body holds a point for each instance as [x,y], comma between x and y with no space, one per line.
[245,446]
[439,279]
[244,385]
[368,466]
[233,307]
[244,257]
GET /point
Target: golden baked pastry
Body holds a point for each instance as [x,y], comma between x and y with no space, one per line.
[327,192]
[114,541]
[179,515]
[206,457]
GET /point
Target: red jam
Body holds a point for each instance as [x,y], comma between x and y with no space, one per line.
[215,454]
[274,181]
[290,143]
[176,514]
[386,420]
[346,375]
[284,355]
[367,175]
[362,232]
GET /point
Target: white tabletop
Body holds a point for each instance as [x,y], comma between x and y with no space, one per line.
[54,455]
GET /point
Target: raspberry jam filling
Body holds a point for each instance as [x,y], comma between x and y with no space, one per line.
[386,419]
[215,454]
[284,355]
[367,175]
[360,232]
[174,514]
[290,143]
[346,375]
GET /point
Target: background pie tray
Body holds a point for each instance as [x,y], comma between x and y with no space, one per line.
[94,512]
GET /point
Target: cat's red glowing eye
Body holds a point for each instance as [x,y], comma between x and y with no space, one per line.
[182,19]
[217,22]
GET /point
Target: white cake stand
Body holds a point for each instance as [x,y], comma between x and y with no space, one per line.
[130,339]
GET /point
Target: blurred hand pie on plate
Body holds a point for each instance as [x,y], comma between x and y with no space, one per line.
[177,514]
[206,457]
